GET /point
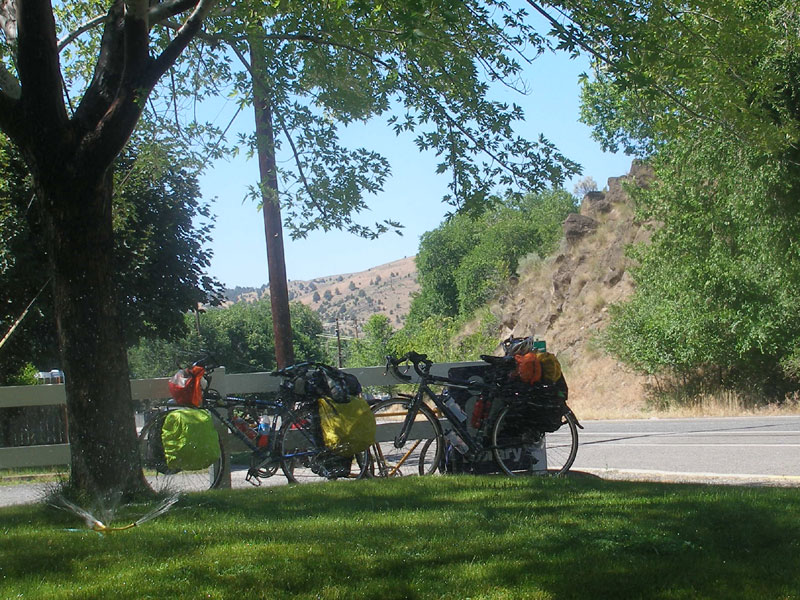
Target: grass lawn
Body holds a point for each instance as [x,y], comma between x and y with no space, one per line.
[452,537]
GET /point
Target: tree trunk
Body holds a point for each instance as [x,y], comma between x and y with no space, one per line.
[102,431]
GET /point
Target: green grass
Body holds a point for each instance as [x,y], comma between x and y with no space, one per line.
[38,474]
[438,537]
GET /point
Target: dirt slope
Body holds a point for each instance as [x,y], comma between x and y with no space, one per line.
[564,299]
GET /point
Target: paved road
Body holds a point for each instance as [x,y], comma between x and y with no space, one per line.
[741,450]
[761,450]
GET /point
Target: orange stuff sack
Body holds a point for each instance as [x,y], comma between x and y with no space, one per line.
[551,368]
[185,386]
[529,368]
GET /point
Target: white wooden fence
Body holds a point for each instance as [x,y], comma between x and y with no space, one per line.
[156,389]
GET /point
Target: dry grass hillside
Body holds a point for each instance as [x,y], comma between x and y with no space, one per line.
[564,299]
[352,297]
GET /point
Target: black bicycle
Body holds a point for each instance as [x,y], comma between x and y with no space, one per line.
[525,430]
[279,431]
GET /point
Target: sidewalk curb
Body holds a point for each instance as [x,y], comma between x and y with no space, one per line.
[753,480]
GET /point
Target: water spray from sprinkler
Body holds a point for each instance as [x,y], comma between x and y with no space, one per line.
[96,524]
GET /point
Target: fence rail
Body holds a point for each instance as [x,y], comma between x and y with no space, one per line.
[155,390]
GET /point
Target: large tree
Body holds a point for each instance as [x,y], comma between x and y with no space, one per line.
[69,145]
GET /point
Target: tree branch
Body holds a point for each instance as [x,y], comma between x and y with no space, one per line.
[8,21]
[563,31]
[184,35]
[11,119]
[39,72]
[66,41]
[139,75]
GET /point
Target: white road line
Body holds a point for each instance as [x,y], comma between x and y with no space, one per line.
[601,444]
[652,433]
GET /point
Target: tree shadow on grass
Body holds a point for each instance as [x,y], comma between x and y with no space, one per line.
[456,537]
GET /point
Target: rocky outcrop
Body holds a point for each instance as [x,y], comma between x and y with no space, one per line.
[576,226]
[564,298]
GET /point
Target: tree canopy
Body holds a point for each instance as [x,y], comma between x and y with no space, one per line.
[466,260]
[238,336]
[162,231]
[709,92]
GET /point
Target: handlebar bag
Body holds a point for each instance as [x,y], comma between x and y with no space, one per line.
[189,439]
[185,386]
[347,427]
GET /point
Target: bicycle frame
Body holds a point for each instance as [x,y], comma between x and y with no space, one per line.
[278,409]
[423,391]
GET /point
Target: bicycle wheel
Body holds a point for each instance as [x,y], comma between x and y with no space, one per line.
[421,453]
[163,479]
[523,451]
[304,457]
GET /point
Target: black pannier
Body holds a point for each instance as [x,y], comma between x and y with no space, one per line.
[538,407]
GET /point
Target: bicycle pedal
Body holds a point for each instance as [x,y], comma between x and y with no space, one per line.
[253,479]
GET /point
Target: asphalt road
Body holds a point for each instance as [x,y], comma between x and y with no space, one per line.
[750,450]
[740,450]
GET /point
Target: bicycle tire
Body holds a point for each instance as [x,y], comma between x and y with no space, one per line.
[423,450]
[159,477]
[304,457]
[534,452]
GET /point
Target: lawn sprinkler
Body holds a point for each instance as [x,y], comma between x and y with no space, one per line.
[95,524]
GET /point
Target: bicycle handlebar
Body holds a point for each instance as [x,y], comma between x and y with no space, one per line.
[208,362]
[419,361]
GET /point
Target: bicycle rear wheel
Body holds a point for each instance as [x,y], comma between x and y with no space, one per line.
[423,450]
[163,479]
[304,456]
[524,451]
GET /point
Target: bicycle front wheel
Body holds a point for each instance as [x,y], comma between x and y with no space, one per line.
[520,450]
[423,449]
[163,479]
[304,457]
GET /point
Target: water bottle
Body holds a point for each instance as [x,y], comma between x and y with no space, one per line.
[263,431]
[456,441]
[480,412]
[457,411]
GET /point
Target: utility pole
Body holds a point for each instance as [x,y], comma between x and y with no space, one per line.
[273,230]
[339,342]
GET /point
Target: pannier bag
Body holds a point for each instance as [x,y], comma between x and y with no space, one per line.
[347,427]
[189,440]
[342,387]
[326,381]
[539,407]
[185,386]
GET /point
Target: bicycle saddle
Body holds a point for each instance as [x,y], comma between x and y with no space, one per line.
[498,360]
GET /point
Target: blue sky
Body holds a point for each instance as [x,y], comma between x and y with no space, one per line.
[412,195]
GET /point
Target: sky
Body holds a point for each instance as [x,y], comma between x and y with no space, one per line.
[412,195]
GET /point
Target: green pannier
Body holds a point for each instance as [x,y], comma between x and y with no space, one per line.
[189,439]
[347,427]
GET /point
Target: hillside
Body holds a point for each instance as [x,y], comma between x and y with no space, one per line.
[564,299]
[352,297]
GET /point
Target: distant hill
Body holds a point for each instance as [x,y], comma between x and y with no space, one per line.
[350,297]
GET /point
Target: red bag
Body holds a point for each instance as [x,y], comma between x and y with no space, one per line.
[529,367]
[185,386]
